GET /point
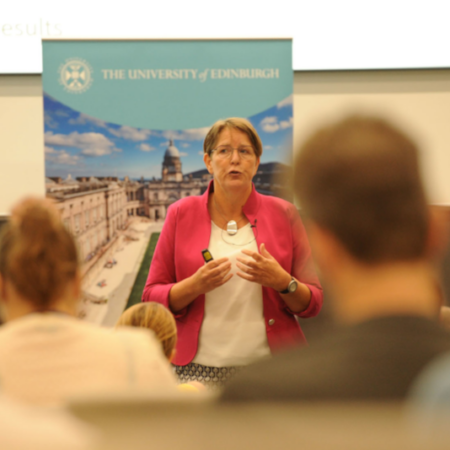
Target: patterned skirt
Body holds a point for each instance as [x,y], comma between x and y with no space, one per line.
[212,377]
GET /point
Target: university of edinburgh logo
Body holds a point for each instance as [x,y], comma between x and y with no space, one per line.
[75,75]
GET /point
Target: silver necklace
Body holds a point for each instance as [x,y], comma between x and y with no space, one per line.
[232,228]
[238,245]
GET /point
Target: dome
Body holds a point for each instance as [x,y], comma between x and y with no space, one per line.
[172,151]
[69,180]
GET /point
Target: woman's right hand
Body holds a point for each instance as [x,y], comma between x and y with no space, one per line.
[208,277]
[212,275]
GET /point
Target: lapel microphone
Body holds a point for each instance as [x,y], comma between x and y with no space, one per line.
[254,225]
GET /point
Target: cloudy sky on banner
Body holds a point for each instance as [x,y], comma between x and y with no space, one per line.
[84,146]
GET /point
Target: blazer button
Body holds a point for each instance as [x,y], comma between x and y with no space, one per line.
[271,321]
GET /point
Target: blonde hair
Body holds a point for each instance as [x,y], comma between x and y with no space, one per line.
[156,317]
[239,123]
[38,255]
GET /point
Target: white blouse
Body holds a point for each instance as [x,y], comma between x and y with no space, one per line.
[233,331]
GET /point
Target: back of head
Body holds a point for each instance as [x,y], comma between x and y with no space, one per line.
[156,317]
[38,256]
[360,180]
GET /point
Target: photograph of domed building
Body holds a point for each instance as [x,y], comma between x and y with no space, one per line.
[172,186]
[171,168]
[154,168]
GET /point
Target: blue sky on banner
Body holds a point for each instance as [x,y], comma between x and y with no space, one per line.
[80,145]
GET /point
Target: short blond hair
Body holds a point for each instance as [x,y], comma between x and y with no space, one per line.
[239,123]
[156,317]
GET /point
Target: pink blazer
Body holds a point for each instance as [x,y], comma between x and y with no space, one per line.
[187,231]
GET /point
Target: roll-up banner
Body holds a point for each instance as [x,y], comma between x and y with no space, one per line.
[128,118]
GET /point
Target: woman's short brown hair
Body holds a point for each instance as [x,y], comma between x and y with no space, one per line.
[38,255]
[239,123]
[156,317]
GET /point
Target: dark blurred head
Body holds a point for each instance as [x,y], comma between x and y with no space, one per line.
[360,180]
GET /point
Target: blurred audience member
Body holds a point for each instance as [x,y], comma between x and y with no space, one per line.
[444,317]
[369,225]
[156,317]
[46,354]
[445,276]
[429,400]
[160,320]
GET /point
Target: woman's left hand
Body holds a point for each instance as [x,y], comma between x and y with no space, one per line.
[264,269]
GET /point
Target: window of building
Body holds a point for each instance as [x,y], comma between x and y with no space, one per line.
[87,247]
[86,218]
[80,251]
[66,222]
[77,219]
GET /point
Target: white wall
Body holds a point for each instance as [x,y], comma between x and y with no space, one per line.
[21,139]
[327,34]
[416,100]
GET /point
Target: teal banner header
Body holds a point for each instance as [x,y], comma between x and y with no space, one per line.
[168,84]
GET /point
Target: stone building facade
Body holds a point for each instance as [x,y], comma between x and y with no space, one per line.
[162,194]
[94,211]
[137,198]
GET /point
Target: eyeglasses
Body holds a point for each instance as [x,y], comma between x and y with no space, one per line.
[225,152]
